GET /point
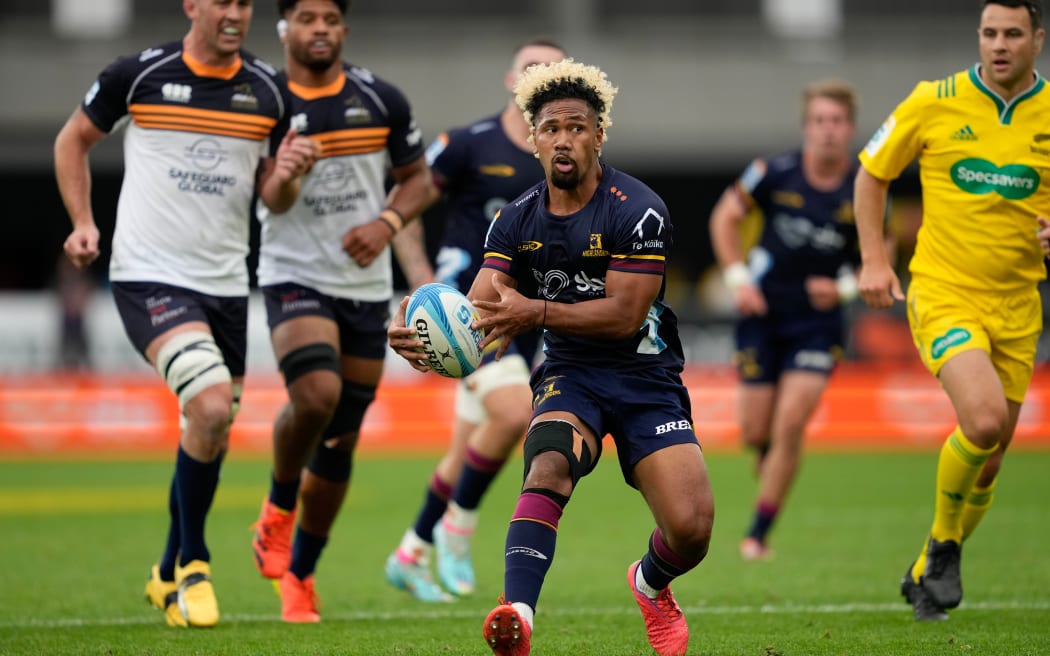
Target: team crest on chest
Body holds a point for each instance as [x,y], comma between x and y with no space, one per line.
[355,113]
[244,98]
[594,249]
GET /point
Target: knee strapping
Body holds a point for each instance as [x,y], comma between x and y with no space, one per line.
[190,363]
[354,400]
[332,464]
[306,359]
[557,435]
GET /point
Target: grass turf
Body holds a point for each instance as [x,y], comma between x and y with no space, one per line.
[77,539]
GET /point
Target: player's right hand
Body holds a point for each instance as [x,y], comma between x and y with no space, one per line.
[404,340]
[81,246]
[1043,234]
[295,156]
[879,285]
[750,302]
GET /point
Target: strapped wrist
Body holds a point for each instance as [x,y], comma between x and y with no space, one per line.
[736,275]
[847,286]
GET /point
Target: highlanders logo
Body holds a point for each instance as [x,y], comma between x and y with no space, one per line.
[979,176]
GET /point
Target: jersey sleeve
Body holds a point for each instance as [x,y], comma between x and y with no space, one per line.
[500,244]
[447,157]
[751,185]
[284,121]
[643,237]
[106,102]
[405,143]
[898,141]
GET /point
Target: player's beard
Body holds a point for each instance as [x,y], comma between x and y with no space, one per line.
[568,180]
[318,64]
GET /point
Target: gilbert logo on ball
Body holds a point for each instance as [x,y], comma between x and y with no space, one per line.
[441,316]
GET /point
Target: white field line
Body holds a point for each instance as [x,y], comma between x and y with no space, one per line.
[400,616]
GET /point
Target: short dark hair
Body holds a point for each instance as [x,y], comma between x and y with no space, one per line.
[284,6]
[1033,7]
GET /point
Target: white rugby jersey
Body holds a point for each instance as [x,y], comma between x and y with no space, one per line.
[191,152]
[363,125]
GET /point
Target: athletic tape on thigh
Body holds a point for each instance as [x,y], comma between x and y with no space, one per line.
[557,435]
[354,399]
[191,362]
[306,359]
[331,464]
[470,393]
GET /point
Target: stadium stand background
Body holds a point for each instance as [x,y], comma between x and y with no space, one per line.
[705,86]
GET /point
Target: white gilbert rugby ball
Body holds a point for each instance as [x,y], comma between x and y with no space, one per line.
[441,316]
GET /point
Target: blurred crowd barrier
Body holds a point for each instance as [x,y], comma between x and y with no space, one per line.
[867,406]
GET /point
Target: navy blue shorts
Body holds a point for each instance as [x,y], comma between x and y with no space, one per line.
[768,346]
[362,324]
[643,411]
[149,309]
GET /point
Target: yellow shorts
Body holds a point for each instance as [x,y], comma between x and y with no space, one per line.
[947,320]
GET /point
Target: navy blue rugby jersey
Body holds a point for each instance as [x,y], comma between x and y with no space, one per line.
[480,170]
[625,227]
[162,88]
[192,148]
[807,232]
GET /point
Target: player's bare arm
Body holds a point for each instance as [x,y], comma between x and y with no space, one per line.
[412,193]
[76,138]
[878,283]
[726,218]
[410,250]
[619,315]
[279,181]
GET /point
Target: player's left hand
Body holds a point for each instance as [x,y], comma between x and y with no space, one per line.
[511,315]
[823,292]
[364,243]
[1043,234]
[295,156]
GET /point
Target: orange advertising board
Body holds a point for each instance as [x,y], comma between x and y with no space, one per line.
[864,407]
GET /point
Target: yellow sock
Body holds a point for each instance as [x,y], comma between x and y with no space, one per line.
[958,467]
[977,504]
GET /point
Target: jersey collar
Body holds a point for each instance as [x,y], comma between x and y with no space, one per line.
[1006,109]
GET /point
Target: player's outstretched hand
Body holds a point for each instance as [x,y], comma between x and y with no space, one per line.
[81,246]
[404,340]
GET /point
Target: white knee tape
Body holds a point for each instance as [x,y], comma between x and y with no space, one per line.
[191,362]
[509,370]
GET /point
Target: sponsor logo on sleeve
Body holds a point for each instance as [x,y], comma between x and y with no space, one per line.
[878,140]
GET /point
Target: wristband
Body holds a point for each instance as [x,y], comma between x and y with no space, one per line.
[389,224]
[736,275]
[848,288]
[394,219]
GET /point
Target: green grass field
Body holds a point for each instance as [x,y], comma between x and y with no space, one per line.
[77,539]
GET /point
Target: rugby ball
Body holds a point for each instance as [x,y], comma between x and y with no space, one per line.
[441,316]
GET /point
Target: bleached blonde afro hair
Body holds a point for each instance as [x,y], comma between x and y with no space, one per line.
[542,83]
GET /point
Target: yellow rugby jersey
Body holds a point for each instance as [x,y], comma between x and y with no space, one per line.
[984,164]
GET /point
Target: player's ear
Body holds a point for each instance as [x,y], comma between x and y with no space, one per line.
[282,30]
